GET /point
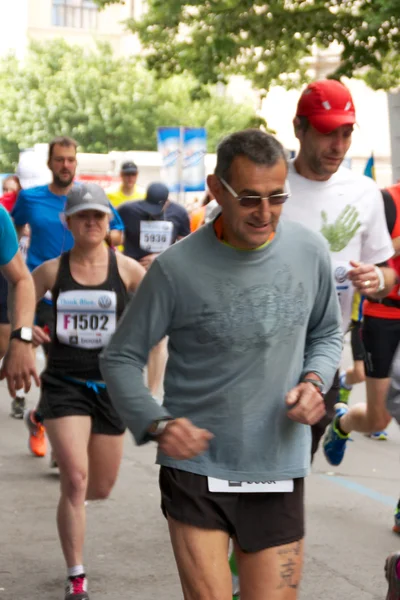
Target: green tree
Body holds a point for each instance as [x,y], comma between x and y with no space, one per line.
[267,42]
[106,103]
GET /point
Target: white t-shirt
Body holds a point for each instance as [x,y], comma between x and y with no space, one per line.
[347,210]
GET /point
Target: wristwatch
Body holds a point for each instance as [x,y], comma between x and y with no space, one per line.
[23,333]
[157,427]
[318,384]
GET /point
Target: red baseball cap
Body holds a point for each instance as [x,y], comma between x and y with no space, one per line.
[327,104]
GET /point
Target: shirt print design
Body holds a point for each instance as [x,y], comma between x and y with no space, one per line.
[249,318]
[339,233]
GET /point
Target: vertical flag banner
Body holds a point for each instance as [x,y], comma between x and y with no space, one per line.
[169,146]
[369,170]
[194,151]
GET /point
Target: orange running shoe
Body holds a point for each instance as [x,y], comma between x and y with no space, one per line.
[37,434]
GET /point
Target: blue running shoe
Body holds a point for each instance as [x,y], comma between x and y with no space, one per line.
[335,442]
[380,436]
[391,576]
[396,526]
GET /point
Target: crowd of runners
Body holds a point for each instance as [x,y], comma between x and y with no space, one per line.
[238,310]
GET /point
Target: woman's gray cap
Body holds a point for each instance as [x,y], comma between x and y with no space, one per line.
[86,196]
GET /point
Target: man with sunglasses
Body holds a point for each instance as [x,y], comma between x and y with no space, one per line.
[253,321]
[347,209]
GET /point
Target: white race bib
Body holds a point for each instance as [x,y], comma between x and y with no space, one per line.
[86,318]
[344,289]
[246,487]
[155,236]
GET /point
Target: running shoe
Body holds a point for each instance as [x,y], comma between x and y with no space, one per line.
[37,434]
[18,408]
[391,576]
[380,436]
[334,441]
[76,588]
[396,526]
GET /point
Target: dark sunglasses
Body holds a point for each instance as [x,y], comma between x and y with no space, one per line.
[254,201]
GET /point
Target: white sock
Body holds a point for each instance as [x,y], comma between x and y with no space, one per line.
[75,571]
[20,393]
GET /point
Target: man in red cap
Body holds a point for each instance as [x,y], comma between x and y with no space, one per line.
[347,209]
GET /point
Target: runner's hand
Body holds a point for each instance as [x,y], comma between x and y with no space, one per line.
[182,440]
[147,261]
[39,336]
[364,278]
[305,404]
[18,367]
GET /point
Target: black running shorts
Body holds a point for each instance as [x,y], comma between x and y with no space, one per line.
[380,338]
[257,521]
[3,301]
[60,398]
[357,346]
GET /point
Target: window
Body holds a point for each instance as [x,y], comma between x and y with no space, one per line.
[75,13]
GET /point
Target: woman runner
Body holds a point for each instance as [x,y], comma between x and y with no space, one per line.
[90,286]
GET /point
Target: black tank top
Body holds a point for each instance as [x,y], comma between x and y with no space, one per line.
[85,319]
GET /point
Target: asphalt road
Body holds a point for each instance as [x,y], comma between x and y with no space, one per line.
[128,556]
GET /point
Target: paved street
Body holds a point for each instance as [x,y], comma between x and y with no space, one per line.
[349,515]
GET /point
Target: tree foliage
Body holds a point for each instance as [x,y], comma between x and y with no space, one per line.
[104,102]
[267,42]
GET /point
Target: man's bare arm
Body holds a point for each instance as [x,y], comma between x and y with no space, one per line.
[21,292]
[19,362]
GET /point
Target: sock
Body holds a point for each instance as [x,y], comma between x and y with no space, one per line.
[398,569]
[76,570]
[337,425]
[36,417]
[20,393]
[343,382]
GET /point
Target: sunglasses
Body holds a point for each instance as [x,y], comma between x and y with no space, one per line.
[248,201]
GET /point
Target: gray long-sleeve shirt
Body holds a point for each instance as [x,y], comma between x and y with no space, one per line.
[243,328]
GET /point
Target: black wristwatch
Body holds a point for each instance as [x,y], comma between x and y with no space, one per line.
[23,333]
[315,382]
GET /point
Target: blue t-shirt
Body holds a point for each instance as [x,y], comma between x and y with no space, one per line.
[43,211]
[8,238]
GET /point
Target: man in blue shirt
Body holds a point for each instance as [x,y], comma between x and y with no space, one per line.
[19,362]
[42,208]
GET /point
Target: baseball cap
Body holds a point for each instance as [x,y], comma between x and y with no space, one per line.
[156,197]
[129,168]
[327,104]
[86,196]
[32,170]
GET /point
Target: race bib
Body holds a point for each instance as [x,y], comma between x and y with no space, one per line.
[155,236]
[344,289]
[247,487]
[86,318]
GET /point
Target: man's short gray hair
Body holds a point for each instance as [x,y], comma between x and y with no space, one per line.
[259,147]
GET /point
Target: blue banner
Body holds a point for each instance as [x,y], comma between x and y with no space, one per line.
[194,151]
[168,141]
[183,150]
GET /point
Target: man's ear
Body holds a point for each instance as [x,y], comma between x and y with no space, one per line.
[215,186]
[296,126]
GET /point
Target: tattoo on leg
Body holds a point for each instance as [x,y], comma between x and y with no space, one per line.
[288,568]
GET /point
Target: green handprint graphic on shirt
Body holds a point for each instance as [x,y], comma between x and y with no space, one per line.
[339,233]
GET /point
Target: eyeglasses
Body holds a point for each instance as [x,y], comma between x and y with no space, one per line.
[248,201]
